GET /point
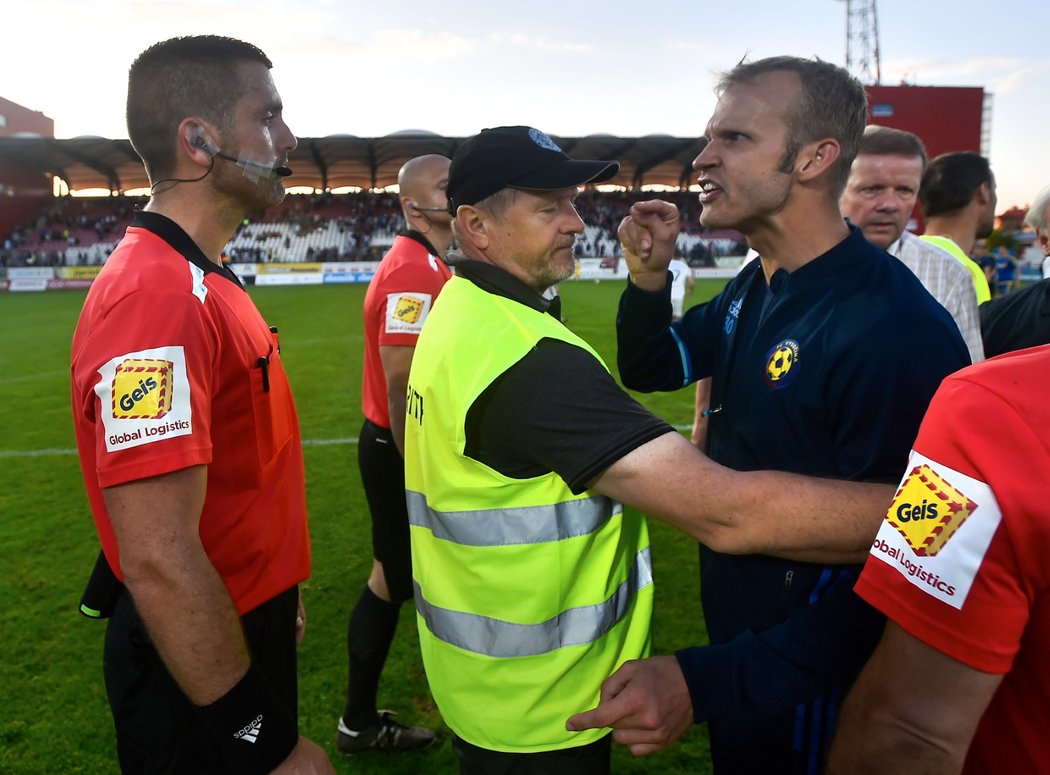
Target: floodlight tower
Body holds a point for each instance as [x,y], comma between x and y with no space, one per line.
[862,41]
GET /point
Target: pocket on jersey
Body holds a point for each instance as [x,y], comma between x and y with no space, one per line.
[272,406]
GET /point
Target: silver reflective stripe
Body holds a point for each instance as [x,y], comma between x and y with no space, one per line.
[498,638]
[514,526]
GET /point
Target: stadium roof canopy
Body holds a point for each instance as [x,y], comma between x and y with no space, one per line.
[345,160]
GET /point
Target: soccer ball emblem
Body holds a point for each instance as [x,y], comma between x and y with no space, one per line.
[780,361]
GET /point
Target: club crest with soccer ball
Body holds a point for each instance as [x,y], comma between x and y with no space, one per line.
[782,364]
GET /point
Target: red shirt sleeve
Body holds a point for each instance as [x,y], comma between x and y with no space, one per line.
[406,296]
[147,369]
[952,562]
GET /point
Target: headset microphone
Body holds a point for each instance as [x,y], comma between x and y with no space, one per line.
[282,171]
[203,144]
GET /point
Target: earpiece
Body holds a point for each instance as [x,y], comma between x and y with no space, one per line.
[201,141]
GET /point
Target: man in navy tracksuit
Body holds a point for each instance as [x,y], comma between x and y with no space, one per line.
[823,353]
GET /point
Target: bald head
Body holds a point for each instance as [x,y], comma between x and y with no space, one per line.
[420,177]
[423,181]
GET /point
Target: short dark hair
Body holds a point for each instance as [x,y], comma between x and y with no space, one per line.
[886,141]
[180,77]
[832,104]
[950,182]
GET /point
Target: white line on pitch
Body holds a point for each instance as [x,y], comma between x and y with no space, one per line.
[32,377]
[9,453]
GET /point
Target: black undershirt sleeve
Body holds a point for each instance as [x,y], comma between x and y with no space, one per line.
[557,409]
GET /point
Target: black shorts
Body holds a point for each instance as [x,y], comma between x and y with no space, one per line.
[383,475]
[158,731]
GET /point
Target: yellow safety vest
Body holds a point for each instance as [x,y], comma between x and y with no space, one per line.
[980,282]
[528,596]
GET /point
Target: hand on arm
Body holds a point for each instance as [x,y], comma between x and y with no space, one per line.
[648,235]
[913,709]
[397,362]
[748,512]
[646,702]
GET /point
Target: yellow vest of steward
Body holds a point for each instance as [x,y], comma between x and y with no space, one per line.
[527,596]
[980,281]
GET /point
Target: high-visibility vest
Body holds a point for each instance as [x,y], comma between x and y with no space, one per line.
[980,282]
[527,596]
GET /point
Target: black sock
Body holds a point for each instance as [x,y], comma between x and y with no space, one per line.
[368,638]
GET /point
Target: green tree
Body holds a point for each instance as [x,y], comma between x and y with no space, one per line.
[999,238]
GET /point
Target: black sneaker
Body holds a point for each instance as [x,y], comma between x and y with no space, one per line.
[387,734]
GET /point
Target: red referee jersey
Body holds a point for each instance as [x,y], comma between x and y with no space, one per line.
[398,300]
[173,366]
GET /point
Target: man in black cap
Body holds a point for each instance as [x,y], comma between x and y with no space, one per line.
[531,582]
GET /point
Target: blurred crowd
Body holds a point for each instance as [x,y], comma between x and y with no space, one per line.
[73,231]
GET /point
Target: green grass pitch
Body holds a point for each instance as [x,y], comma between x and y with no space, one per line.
[54,718]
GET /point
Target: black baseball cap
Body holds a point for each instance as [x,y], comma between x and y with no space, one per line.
[516,157]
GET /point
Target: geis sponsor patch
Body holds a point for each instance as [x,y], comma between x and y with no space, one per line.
[927,510]
[142,389]
[938,529]
[405,312]
[145,397]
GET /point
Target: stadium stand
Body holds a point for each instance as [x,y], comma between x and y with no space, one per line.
[76,231]
[81,231]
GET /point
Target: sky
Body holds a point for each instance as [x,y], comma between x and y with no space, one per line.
[620,67]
